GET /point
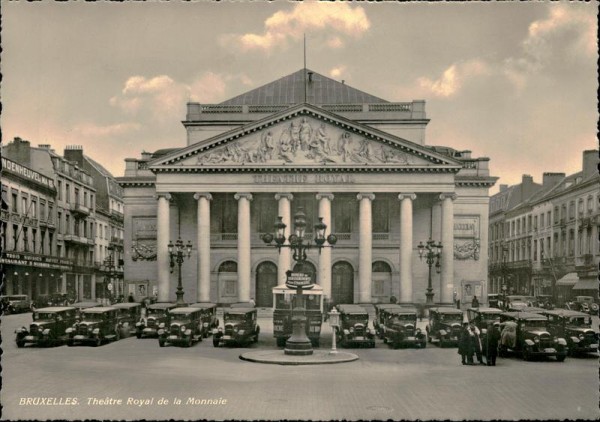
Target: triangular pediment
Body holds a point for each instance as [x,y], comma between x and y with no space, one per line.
[304,136]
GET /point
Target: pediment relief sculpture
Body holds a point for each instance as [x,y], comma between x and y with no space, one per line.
[305,141]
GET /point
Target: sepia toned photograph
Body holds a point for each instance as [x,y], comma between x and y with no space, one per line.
[299,211]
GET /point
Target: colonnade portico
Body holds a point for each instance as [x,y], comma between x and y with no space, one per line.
[407,245]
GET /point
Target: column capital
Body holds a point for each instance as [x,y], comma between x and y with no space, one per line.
[324,195]
[285,195]
[448,195]
[165,195]
[363,195]
[407,195]
[199,195]
[241,195]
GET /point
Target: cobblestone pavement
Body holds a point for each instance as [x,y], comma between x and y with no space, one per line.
[383,384]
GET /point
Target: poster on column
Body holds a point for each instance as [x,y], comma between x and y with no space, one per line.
[471,289]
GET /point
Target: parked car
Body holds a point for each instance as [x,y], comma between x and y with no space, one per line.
[48,327]
[240,327]
[283,299]
[576,328]
[13,304]
[185,327]
[544,301]
[530,309]
[129,314]
[493,300]
[157,316]
[444,326]
[97,325]
[208,317]
[354,327]
[583,304]
[81,306]
[519,301]
[401,328]
[381,312]
[527,334]
[54,299]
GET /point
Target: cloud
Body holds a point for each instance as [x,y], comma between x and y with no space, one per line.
[309,17]
[337,71]
[453,78]
[95,131]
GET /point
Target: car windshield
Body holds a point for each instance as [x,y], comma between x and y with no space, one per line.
[356,319]
[451,318]
[490,317]
[43,315]
[405,317]
[234,318]
[156,312]
[93,317]
[15,297]
[180,318]
[531,324]
[580,321]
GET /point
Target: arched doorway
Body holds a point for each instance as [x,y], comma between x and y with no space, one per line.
[381,290]
[342,283]
[227,284]
[266,279]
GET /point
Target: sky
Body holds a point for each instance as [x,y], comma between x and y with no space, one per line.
[515,82]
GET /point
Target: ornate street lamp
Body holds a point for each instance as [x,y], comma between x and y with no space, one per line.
[110,264]
[177,254]
[298,343]
[432,253]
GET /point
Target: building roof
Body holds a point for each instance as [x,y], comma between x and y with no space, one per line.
[290,90]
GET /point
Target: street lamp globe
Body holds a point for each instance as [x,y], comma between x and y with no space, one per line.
[320,228]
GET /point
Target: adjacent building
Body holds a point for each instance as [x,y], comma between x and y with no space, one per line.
[543,238]
[306,142]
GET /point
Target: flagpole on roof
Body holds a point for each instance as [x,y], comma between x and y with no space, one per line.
[305,67]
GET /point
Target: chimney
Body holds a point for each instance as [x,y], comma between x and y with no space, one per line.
[310,75]
[45,146]
[74,153]
[590,163]
[528,188]
[550,180]
[18,150]
[503,188]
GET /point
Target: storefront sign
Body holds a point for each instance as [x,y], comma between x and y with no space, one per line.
[303,179]
[36,261]
[299,280]
[12,167]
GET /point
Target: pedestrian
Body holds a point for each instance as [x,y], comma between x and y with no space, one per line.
[476,342]
[130,299]
[492,340]
[464,345]
[475,302]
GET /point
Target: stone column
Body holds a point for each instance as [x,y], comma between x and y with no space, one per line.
[162,242]
[244,257]
[203,244]
[284,259]
[447,260]
[365,247]
[406,246]
[324,279]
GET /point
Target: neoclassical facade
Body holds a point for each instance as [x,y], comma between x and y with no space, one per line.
[357,161]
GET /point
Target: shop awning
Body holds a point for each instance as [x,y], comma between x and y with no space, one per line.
[586,284]
[568,280]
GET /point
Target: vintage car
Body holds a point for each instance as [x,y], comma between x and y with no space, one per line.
[519,301]
[157,316]
[444,326]
[13,304]
[48,327]
[527,334]
[401,328]
[493,300]
[575,327]
[544,301]
[129,314]
[530,309]
[208,316]
[283,299]
[97,325]
[354,327]
[80,306]
[185,327]
[240,327]
[583,304]
[381,310]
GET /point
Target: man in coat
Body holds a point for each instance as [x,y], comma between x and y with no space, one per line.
[492,339]
[476,342]
[464,345]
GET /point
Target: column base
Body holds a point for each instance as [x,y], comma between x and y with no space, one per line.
[298,344]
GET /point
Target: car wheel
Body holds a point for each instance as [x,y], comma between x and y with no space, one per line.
[442,342]
[138,334]
[561,358]
[20,343]
[70,343]
[215,342]
[526,355]
[385,340]
[117,334]
[424,344]
[161,342]
[98,342]
[189,342]
[205,335]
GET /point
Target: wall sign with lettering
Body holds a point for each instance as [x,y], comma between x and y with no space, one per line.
[466,237]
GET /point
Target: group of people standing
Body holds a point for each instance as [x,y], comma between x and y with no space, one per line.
[470,344]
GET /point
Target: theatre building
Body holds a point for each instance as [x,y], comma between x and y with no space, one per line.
[305,141]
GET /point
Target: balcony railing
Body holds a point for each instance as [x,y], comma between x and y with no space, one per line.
[117,241]
[80,210]
[5,215]
[116,215]
[72,238]
[224,237]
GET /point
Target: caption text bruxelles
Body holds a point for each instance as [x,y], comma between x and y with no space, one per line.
[111,401]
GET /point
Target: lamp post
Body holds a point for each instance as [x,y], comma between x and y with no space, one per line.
[110,264]
[298,343]
[177,254]
[334,322]
[432,253]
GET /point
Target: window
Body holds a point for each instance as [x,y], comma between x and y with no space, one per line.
[563,213]
[42,210]
[535,222]
[381,216]
[33,240]
[24,207]
[529,223]
[580,208]
[33,208]
[342,215]
[590,204]
[556,245]
[59,251]
[229,214]
[15,236]
[571,242]
[85,199]
[4,241]
[51,212]
[67,224]
[67,193]
[26,239]
[572,210]
[92,202]
[556,215]
[535,247]
[15,202]
[77,198]
[50,243]
[59,191]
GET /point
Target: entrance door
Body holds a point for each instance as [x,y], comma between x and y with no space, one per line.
[266,279]
[342,283]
